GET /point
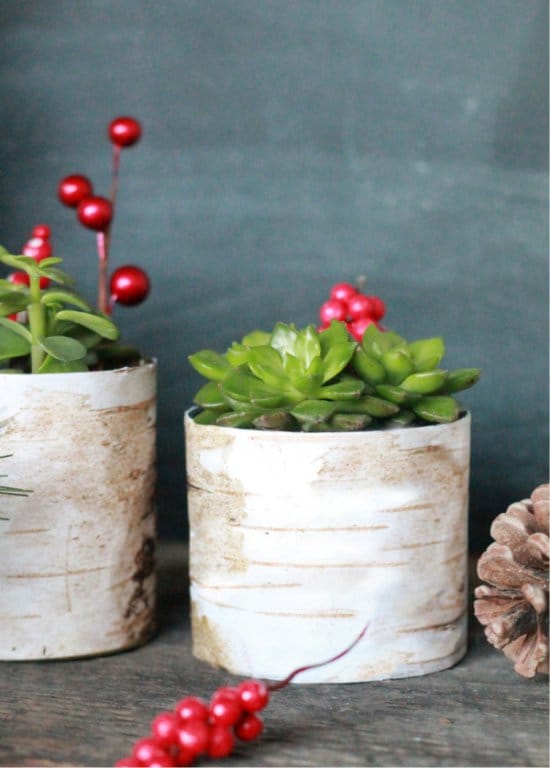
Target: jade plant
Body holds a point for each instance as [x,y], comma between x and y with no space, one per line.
[318,380]
[45,327]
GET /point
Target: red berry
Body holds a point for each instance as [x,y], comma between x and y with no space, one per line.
[225,711]
[342,291]
[73,189]
[226,692]
[192,708]
[254,695]
[358,327]
[333,309]
[221,742]
[360,306]
[194,736]
[124,131]
[129,285]
[147,750]
[183,757]
[41,230]
[95,213]
[162,760]
[165,728]
[126,762]
[249,727]
[378,309]
[37,248]
[19,278]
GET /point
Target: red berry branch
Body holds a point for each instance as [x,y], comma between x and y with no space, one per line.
[196,728]
[129,285]
[351,306]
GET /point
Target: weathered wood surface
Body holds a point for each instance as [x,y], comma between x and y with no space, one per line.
[88,713]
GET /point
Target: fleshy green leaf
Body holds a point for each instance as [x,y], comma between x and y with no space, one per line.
[266,363]
[243,419]
[461,378]
[438,408]
[51,365]
[376,342]
[336,333]
[426,354]
[50,262]
[394,394]
[337,357]
[237,354]
[425,383]
[63,348]
[307,346]
[211,365]
[248,389]
[97,323]
[14,327]
[256,339]
[368,367]
[349,422]
[280,420]
[398,365]
[207,417]
[313,411]
[11,304]
[12,344]
[57,275]
[347,388]
[283,339]
[64,297]
[209,396]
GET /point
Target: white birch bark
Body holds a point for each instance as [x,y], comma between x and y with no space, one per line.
[298,540]
[77,555]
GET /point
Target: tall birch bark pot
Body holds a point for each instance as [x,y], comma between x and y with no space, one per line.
[77,555]
[297,540]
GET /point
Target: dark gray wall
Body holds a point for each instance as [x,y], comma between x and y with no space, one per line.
[291,144]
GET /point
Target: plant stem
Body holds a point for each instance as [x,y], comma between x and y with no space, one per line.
[37,324]
[103,303]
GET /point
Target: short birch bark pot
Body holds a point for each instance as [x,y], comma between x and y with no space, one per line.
[77,555]
[297,540]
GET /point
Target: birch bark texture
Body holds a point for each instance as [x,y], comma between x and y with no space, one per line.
[297,540]
[77,555]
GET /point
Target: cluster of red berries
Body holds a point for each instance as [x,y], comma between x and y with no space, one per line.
[129,285]
[37,247]
[351,306]
[195,728]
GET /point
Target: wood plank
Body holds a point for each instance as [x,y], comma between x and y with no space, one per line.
[89,712]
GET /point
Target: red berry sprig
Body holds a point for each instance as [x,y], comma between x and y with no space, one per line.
[97,213]
[196,728]
[350,305]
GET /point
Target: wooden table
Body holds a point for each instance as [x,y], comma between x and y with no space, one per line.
[89,712]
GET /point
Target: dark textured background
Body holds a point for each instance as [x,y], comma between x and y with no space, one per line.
[288,145]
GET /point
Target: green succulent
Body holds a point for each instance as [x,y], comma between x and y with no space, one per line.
[313,381]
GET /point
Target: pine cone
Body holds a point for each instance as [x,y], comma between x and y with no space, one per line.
[514,608]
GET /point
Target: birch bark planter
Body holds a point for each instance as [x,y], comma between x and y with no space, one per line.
[76,556]
[297,540]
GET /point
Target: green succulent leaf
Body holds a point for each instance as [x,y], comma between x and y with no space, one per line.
[256,339]
[266,363]
[11,304]
[50,262]
[425,383]
[211,365]
[349,422]
[348,388]
[307,346]
[310,380]
[207,417]
[368,367]
[398,364]
[336,333]
[63,348]
[402,419]
[97,323]
[51,365]
[313,411]
[426,354]
[15,327]
[377,407]
[20,263]
[237,354]
[283,339]
[376,342]
[243,387]
[64,297]
[337,358]
[56,275]
[239,419]
[395,394]
[461,378]
[281,420]
[209,396]
[437,408]
[12,344]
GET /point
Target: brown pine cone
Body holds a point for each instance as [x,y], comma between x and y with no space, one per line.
[514,608]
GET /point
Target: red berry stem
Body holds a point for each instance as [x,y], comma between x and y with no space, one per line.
[103,302]
[283,683]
